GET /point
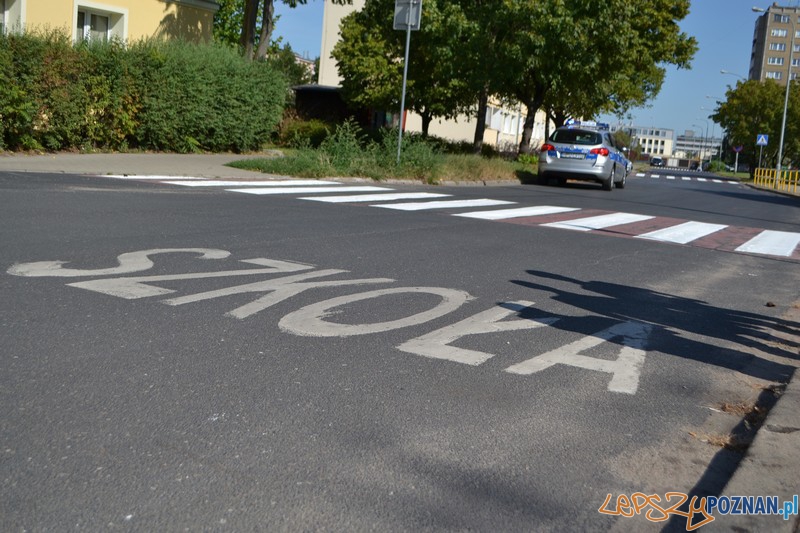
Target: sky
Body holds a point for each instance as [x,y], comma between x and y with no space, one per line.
[723,29]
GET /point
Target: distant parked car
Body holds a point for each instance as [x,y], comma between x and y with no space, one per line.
[657,162]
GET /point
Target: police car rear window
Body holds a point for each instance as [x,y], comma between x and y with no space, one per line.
[576,137]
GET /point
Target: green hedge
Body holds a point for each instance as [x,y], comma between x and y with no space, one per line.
[171,96]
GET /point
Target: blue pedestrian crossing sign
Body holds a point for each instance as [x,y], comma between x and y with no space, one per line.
[762,139]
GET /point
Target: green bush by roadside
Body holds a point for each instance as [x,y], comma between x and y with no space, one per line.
[161,95]
[348,152]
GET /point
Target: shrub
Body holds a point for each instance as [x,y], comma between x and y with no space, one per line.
[162,95]
[296,133]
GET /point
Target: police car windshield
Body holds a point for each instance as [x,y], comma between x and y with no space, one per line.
[576,137]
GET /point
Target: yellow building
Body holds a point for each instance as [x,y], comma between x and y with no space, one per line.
[128,20]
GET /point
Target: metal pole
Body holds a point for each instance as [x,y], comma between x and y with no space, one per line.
[405,77]
[785,103]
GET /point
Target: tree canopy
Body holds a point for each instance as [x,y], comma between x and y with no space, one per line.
[574,57]
[753,108]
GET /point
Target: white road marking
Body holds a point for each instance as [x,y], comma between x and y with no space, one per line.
[309,321]
[670,177]
[375,197]
[135,287]
[135,177]
[640,174]
[656,176]
[683,233]
[500,214]
[444,204]
[717,181]
[252,183]
[770,242]
[625,369]
[299,190]
[128,263]
[684,178]
[599,222]
[436,344]
[701,179]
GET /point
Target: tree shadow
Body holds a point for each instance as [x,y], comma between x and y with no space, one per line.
[675,316]
[185,23]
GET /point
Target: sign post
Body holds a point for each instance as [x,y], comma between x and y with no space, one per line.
[762,139]
[407,16]
[738,150]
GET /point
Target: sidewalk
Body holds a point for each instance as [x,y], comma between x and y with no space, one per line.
[771,466]
[154,164]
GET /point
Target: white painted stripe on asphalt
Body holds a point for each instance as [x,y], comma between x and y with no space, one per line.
[717,181]
[655,175]
[500,214]
[375,197]
[134,177]
[670,177]
[599,222]
[298,190]
[771,242]
[444,204]
[701,179]
[684,178]
[683,233]
[640,174]
[255,183]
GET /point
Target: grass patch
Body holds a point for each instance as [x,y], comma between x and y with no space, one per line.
[348,153]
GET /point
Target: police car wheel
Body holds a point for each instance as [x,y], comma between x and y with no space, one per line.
[609,183]
[621,184]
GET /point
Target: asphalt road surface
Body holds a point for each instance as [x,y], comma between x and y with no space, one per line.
[178,356]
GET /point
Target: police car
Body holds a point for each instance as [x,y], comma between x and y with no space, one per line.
[583,151]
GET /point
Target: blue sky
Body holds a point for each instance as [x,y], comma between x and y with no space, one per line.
[723,29]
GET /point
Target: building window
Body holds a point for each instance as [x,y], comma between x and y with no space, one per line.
[774,75]
[99,22]
[779,33]
[91,26]
[796,62]
[781,18]
[775,61]
[794,76]
[778,47]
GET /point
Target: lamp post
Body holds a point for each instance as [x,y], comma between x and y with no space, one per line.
[700,151]
[723,71]
[703,140]
[786,97]
[713,131]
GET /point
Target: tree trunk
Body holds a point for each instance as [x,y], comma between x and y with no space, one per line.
[267,25]
[559,118]
[480,126]
[426,123]
[247,40]
[533,104]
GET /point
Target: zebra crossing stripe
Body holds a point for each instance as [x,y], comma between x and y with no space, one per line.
[261,183]
[500,214]
[444,204]
[684,178]
[683,233]
[656,176]
[375,197]
[135,177]
[298,190]
[701,179]
[640,174]
[670,177]
[770,242]
[599,222]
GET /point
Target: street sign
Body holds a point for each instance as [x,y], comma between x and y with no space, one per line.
[762,139]
[738,149]
[407,14]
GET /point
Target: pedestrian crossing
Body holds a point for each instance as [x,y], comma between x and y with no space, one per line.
[678,177]
[639,226]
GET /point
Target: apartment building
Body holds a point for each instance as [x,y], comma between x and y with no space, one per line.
[690,145]
[126,20]
[653,140]
[776,41]
[503,124]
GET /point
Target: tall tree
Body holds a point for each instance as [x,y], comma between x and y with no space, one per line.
[370,61]
[582,57]
[250,23]
[753,108]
